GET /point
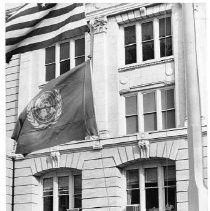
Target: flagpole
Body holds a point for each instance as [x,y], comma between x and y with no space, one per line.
[90,56]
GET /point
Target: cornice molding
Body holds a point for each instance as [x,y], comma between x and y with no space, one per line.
[87,145]
[116,9]
[144,64]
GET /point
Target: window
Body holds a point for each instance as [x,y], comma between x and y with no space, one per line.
[131,114]
[130,44]
[150,119]
[150,111]
[148,40]
[63,56]
[165,37]
[151,187]
[62,191]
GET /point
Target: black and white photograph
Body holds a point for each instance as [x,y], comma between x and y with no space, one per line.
[105,106]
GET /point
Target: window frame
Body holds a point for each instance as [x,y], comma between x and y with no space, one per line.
[55,174]
[72,57]
[141,166]
[159,111]
[139,46]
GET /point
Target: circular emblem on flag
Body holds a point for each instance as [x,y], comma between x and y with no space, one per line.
[45,110]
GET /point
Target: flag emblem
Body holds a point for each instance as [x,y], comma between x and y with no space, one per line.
[45,110]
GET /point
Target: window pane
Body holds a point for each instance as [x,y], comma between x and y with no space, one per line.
[149,102]
[164,27]
[132,124]
[48,194]
[151,187]
[152,199]
[78,184]
[131,105]
[130,35]
[148,50]
[167,99]
[64,66]
[79,47]
[150,122]
[50,72]
[133,197]
[64,50]
[50,55]
[78,191]
[78,201]
[151,175]
[170,198]
[147,31]
[169,173]
[166,47]
[63,185]
[63,202]
[79,60]
[132,179]
[48,203]
[130,54]
[168,119]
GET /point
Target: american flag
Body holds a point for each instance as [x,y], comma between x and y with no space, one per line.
[37,26]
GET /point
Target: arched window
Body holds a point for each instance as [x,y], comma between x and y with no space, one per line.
[150,186]
[61,190]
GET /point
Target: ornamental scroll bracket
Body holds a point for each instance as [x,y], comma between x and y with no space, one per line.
[54,159]
[99,24]
[144,145]
[96,144]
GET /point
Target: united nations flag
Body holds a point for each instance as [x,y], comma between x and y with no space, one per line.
[63,111]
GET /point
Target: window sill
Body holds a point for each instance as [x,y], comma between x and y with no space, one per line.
[134,66]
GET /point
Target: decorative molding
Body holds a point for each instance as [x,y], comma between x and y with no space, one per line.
[103,134]
[144,12]
[143,145]
[144,148]
[144,64]
[117,9]
[54,159]
[99,24]
[97,145]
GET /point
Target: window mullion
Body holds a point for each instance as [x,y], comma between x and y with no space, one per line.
[158,109]
[138,42]
[142,188]
[140,112]
[156,38]
[72,53]
[57,60]
[55,193]
[161,194]
[71,191]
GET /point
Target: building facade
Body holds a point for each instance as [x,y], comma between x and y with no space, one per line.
[141,160]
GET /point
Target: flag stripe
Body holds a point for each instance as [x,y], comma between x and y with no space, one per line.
[46,29]
[34,16]
[51,14]
[44,37]
[43,44]
[30,11]
[29,32]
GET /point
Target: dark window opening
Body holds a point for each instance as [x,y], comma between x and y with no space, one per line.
[50,63]
[165,36]
[150,116]
[79,51]
[131,114]
[130,44]
[147,41]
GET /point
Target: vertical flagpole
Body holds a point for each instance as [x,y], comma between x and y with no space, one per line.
[197,193]
[91,42]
